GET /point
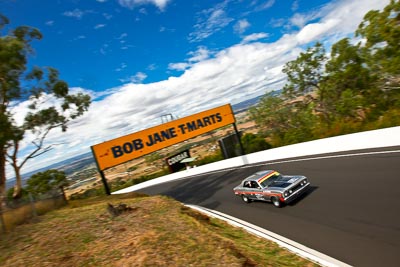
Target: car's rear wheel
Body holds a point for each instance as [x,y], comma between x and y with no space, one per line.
[276,202]
[246,199]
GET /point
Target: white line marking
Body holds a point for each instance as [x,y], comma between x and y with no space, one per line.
[324,157]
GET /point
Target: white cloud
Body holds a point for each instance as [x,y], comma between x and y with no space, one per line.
[99,26]
[121,67]
[265,5]
[202,53]
[336,19]
[209,79]
[76,13]
[254,37]
[151,67]
[241,26]
[178,66]
[137,78]
[210,21]
[161,4]
[107,16]
[122,36]
[299,20]
[295,5]
[313,31]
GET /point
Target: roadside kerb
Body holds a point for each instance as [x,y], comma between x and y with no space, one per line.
[294,247]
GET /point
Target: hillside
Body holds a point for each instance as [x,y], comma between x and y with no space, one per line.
[156,231]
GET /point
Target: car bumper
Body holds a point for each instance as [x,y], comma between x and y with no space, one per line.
[296,194]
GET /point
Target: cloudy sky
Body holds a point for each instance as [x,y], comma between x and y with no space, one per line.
[140,59]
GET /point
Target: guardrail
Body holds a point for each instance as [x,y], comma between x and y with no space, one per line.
[387,137]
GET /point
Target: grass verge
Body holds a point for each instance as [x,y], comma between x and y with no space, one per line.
[158,231]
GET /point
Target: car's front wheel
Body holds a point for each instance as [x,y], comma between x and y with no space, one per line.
[276,202]
[246,199]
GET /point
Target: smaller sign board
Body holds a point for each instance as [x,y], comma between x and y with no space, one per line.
[175,162]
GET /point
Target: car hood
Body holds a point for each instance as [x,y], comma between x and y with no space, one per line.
[286,181]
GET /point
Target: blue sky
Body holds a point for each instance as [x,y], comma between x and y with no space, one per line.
[139,59]
[102,44]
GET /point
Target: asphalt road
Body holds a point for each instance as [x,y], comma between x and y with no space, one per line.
[351,212]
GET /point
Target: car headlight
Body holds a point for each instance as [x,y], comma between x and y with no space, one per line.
[285,194]
[290,191]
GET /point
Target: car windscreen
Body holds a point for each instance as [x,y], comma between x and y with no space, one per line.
[270,180]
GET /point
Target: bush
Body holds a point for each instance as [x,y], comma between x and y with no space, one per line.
[209,159]
[254,143]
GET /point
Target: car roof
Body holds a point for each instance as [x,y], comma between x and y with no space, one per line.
[260,175]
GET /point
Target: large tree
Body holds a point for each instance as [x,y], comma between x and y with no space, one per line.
[305,76]
[51,104]
[305,73]
[347,83]
[380,31]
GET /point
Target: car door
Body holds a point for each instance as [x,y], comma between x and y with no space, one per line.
[246,189]
[256,191]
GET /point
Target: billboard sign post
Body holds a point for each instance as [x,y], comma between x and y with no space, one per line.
[120,150]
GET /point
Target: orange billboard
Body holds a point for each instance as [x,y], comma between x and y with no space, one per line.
[119,150]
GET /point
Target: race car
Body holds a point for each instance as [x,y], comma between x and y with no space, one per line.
[271,186]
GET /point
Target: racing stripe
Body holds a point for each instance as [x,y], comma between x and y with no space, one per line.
[262,179]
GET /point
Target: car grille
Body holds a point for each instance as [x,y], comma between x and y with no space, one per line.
[296,187]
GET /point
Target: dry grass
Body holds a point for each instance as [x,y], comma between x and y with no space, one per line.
[27,212]
[158,232]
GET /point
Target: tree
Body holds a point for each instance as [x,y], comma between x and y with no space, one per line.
[47,181]
[51,104]
[303,122]
[286,121]
[348,80]
[381,32]
[272,114]
[305,73]
[253,143]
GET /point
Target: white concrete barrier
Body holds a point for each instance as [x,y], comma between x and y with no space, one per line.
[364,140]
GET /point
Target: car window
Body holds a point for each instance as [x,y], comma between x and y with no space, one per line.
[270,180]
[254,184]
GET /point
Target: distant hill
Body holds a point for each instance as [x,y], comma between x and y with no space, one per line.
[245,105]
